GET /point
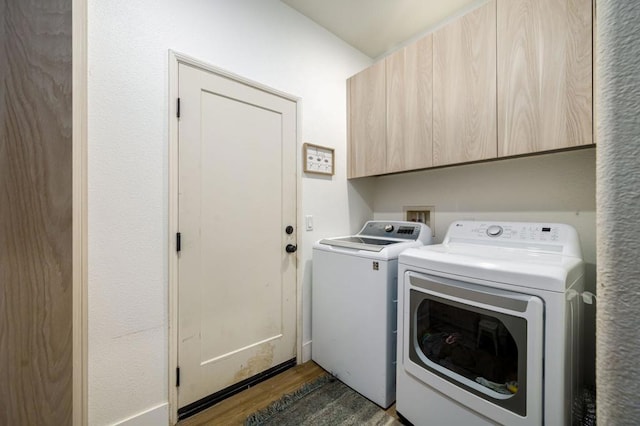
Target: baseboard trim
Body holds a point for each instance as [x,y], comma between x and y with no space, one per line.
[158,415]
[306,351]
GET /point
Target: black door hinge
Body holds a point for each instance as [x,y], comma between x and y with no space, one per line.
[178,108]
[177,376]
[178,242]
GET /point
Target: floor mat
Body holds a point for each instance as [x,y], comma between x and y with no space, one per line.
[326,401]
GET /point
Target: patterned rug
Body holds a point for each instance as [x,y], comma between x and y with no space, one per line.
[324,402]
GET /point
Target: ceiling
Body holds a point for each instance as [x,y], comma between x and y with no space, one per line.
[377,26]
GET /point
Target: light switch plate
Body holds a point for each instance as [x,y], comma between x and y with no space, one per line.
[308,222]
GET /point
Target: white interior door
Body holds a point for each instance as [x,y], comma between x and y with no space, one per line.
[237,194]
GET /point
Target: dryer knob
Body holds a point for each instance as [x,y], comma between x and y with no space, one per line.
[494,230]
[388,228]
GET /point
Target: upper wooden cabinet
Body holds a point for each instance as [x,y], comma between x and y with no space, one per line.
[409,107]
[544,75]
[511,77]
[464,88]
[366,122]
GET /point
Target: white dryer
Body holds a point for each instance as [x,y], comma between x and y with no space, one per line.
[354,305]
[489,326]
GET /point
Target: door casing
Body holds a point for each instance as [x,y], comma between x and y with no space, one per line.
[175,59]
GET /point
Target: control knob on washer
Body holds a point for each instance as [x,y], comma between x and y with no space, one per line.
[388,228]
[494,230]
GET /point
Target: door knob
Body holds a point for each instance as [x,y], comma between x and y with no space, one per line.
[291,248]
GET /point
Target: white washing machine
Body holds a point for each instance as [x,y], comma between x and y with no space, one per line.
[354,305]
[489,326]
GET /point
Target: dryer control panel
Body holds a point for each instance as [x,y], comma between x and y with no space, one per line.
[529,232]
[549,237]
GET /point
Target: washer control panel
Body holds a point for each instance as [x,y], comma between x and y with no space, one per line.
[390,229]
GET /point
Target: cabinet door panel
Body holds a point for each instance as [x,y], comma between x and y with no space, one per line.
[409,107]
[464,88]
[366,121]
[544,75]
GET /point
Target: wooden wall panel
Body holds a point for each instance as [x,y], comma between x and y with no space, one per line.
[464,88]
[544,75]
[35,213]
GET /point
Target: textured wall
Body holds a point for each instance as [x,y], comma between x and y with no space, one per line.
[618,201]
[35,212]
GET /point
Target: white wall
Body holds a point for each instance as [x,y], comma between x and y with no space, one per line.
[263,40]
[557,187]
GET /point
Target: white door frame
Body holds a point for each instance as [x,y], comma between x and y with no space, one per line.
[175,59]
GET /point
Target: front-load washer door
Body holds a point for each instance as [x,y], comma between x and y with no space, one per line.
[480,346]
